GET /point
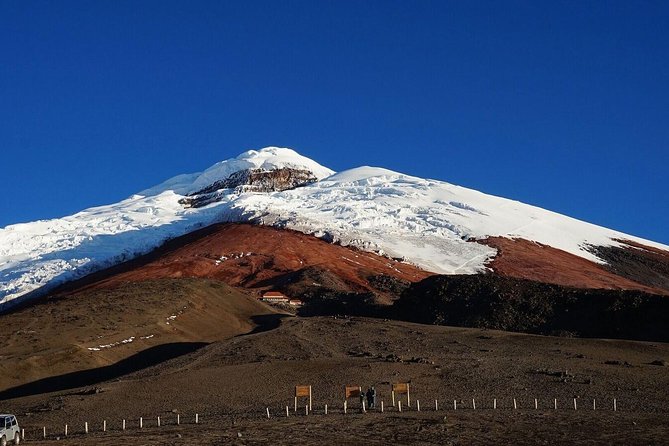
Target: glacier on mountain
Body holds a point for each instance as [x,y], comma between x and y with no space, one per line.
[430,223]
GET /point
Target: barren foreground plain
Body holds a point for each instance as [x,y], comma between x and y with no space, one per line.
[230,384]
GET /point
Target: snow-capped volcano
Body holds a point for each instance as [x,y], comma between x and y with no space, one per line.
[430,223]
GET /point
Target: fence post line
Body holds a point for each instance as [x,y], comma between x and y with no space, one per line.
[594,405]
[123,424]
[158,421]
[474,403]
[399,406]
[326,409]
[178,419]
[381,406]
[104,425]
[515,406]
[494,403]
[86,426]
[363,406]
[66,430]
[418,405]
[344,406]
[286,411]
[555,403]
[310,398]
[436,405]
[197,418]
[574,403]
[536,404]
[615,405]
[23,434]
[44,432]
[455,404]
[306,409]
[141,423]
[267,412]
[295,405]
[393,394]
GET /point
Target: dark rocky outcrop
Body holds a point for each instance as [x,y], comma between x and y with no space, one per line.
[506,303]
[636,262]
[250,180]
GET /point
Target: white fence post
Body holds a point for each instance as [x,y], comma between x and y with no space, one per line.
[86,426]
[615,405]
[536,404]
[399,406]
[594,405]
[344,406]
[104,425]
[418,405]
[158,421]
[381,406]
[494,403]
[178,419]
[326,409]
[44,432]
[141,423]
[436,405]
[197,418]
[555,403]
[267,412]
[574,403]
[66,430]
[474,403]
[455,404]
[515,406]
[124,424]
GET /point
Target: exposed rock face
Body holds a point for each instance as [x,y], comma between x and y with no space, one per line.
[250,180]
[634,261]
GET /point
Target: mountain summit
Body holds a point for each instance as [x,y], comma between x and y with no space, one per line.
[437,226]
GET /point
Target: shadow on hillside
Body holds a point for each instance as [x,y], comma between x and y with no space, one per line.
[134,363]
[266,322]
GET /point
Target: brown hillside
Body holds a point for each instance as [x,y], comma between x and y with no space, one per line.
[524,259]
[254,257]
[58,335]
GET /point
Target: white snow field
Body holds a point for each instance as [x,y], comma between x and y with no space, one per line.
[426,222]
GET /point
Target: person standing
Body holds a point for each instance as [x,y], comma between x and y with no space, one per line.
[362,400]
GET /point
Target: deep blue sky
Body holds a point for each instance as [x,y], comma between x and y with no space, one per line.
[560,104]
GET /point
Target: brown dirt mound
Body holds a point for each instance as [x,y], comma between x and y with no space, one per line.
[524,259]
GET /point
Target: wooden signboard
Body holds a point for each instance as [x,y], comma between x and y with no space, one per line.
[399,388]
[301,391]
[353,392]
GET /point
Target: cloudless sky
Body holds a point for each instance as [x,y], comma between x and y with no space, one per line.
[564,105]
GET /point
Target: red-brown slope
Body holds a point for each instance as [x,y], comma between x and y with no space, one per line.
[525,259]
[253,257]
